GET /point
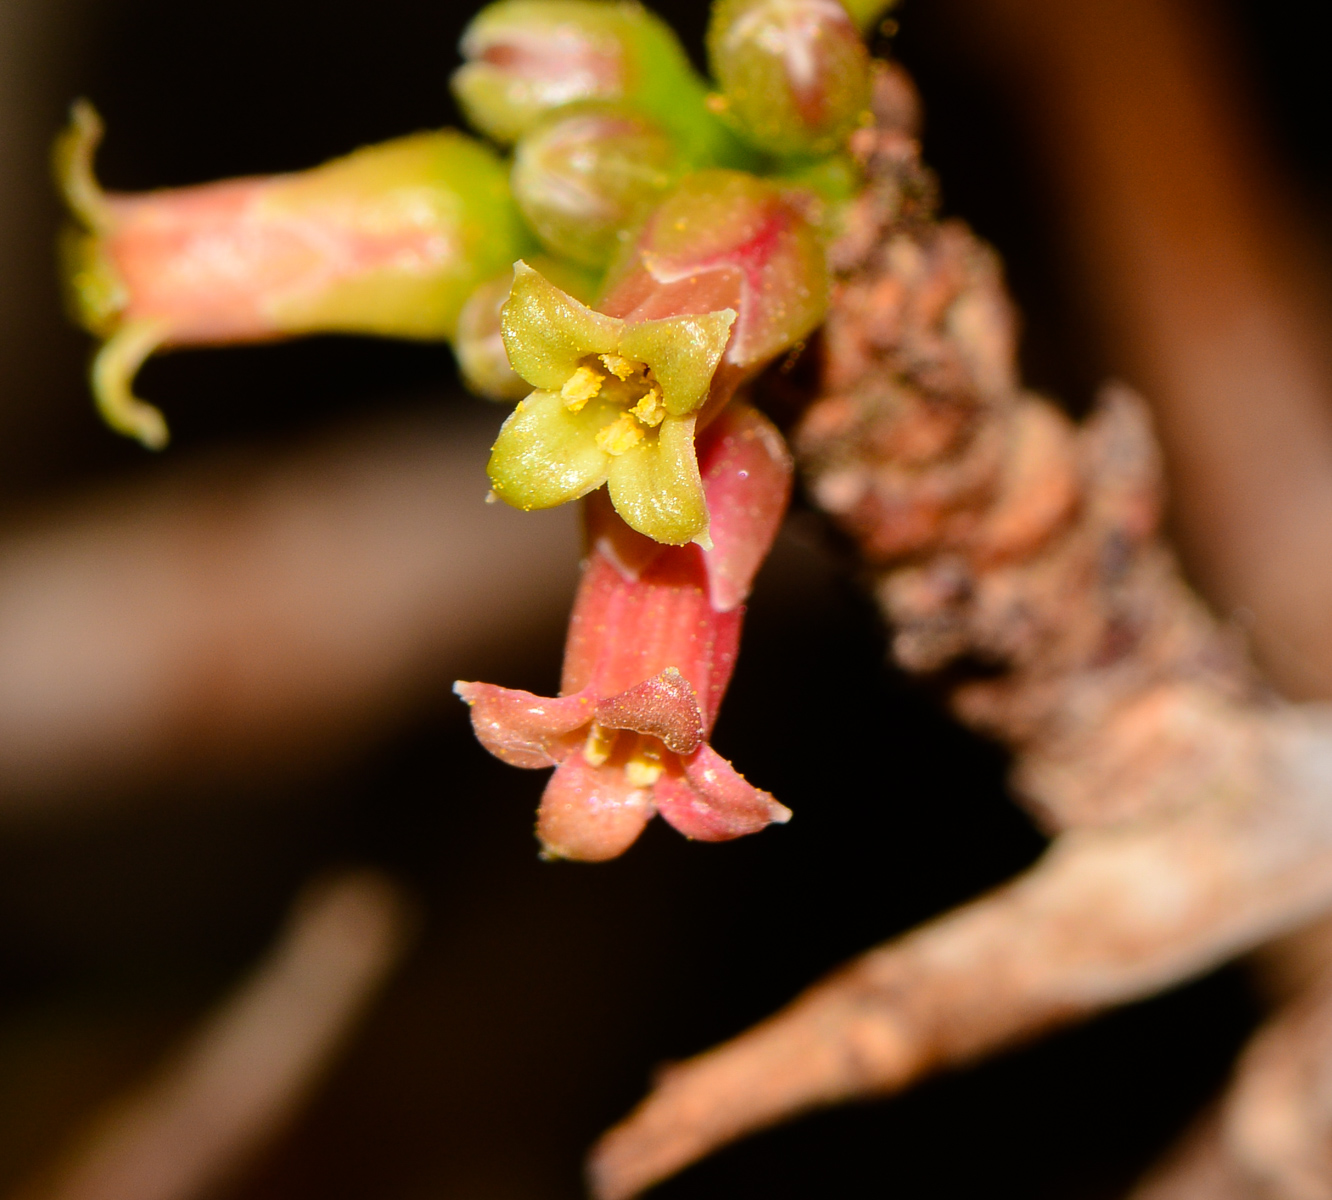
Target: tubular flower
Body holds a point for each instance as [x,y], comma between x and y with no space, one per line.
[388,240]
[652,643]
[725,275]
[615,403]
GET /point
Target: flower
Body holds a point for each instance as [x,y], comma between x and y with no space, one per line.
[615,403]
[388,240]
[652,643]
[726,274]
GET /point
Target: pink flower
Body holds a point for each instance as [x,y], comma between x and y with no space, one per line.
[652,643]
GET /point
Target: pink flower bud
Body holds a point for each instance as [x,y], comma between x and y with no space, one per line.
[726,239]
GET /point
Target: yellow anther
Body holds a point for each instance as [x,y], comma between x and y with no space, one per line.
[580,387]
[621,368]
[650,410]
[644,767]
[600,742]
[620,435]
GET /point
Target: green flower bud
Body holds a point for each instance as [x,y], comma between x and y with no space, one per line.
[794,74]
[868,13]
[526,58]
[584,181]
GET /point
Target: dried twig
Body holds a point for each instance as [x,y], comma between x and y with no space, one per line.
[1190,803]
[242,1077]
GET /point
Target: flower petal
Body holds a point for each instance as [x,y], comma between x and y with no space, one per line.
[590,813]
[522,729]
[546,455]
[713,802]
[746,471]
[664,706]
[683,353]
[547,332]
[655,485]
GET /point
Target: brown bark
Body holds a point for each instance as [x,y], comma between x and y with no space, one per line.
[1189,802]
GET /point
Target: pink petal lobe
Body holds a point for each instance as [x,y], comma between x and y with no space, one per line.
[746,471]
[664,706]
[589,813]
[712,801]
[525,730]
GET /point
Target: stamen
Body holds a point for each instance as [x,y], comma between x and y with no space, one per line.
[621,368]
[600,742]
[620,435]
[650,409]
[644,767]
[580,387]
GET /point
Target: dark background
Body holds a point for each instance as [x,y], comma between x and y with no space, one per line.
[539,997]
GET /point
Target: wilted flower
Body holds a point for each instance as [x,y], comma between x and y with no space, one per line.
[652,643]
[389,240]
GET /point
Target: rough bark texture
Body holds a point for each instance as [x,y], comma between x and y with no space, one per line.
[1189,804]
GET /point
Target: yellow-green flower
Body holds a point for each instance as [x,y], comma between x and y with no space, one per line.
[615,403]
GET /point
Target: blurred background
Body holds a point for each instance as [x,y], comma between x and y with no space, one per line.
[225,671]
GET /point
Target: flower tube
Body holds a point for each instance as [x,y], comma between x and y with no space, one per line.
[389,240]
[652,643]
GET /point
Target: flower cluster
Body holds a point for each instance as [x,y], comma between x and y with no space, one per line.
[648,245]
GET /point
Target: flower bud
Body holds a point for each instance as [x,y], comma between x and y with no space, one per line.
[526,58]
[868,13]
[389,240]
[795,75]
[584,181]
[726,239]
